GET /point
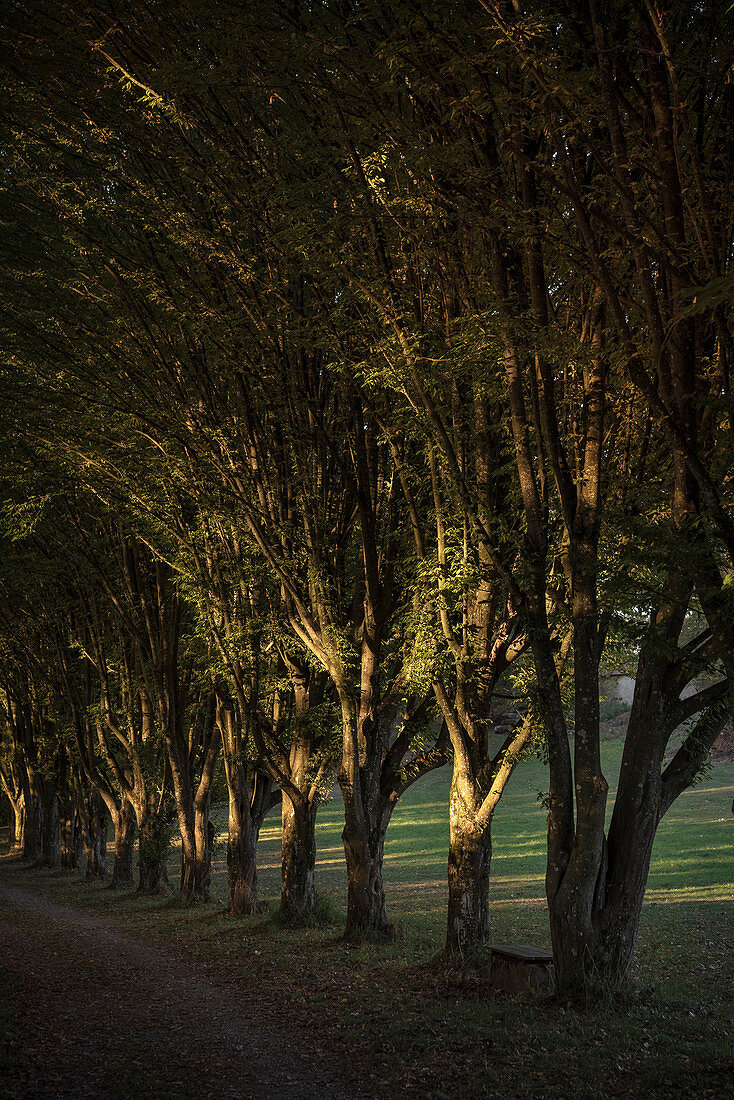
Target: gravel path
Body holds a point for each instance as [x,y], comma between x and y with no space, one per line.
[104,1014]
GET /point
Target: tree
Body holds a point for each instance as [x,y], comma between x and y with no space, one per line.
[332,626]
[596,878]
[436,260]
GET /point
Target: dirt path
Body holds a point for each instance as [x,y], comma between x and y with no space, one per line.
[104,1014]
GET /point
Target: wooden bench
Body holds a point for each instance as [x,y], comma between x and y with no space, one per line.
[517,967]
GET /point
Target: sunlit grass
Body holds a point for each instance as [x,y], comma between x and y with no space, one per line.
[693,857]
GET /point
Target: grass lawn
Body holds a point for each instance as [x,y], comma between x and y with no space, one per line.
[400,1025]
[693,858]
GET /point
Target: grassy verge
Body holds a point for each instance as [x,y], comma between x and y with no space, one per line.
[396,1024]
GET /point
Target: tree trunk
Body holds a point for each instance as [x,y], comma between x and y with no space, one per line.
[249,801]
[188,885]
[32,836]
[94,832]
[364,831]
[11,782]
[67,819]
[595,914]
[241,846]
[241,866]
[204,842]
[298,881]
[17,825]
[593,944]
[78,841]
[470,855]
[364,848]
[605,945]
[573,936]
[204,831]
[574,908]
[184,799]
[628,868]
[124,843]
[100,838]
[300,800]
[34,817]
[50,830]
[153,846]
[366,910]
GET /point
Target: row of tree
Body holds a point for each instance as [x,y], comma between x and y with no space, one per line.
[368,364]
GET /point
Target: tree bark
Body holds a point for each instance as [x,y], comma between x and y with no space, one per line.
[470,856]
[300,800]
[94,832]
[203,841]
[99,820]
[364,849]
[203,830]
[298,880]
[67,823]
[78,842]
[250,798]
[629,851]
[11,782]
[50,830]
[17,825]
[241,835]
[34,815]
[241,851]
[124,846]
[184,799]
[153,845]
[365,826]
[594,915]
[188,888]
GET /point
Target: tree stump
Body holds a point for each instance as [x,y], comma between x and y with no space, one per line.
[515,968]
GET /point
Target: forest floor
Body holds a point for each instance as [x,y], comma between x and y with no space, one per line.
[100,1013]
